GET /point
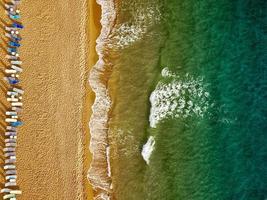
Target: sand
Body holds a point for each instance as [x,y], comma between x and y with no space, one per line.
[52,144]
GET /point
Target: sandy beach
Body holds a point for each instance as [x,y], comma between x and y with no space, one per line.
[52,144]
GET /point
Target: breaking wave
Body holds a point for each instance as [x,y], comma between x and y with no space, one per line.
[148,148]
[178,98]
[99,173]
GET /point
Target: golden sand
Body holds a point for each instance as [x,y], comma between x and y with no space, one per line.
[52,153]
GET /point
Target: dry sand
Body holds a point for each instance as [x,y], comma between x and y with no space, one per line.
[53,143]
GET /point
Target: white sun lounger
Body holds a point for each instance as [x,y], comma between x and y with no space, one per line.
[8,196]
[11,172]
[8,184]
[10,93]
[10,120]
[9,167]
[11,113]
[11,57]
[18,69]
[16,62]
[8,133]
[11,177]
[17,109]
[10,128]
[16,192]
[10,71]
[11,144]
[9,149]
[18,90]
[10,140]
[5,190]
[10,161]
[12,180]
[10,154]
[15,2]
[16,104]
[12,99]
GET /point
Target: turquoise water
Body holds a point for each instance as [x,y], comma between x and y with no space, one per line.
[207,115]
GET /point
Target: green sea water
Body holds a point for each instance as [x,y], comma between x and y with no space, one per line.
[214,149]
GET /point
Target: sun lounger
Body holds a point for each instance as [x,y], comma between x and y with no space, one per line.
[10,93]
[10,120]
[11,177]
[10,71]
[15,2]
[16,192]
[5,190]
[18,90]
[16,104]
[8,184]
[12,99]
[14,17]
[16,62]
[10,140]
[10,154]
[9,161]
[17,109]
[10,57]
[9,167]
[14,44]
[16,124]
[11,50]
[18,69]
[10,128]
[9,149]
[11,113]
[17,25]
[11,172]
[8,196]
[10,133]
[11,144]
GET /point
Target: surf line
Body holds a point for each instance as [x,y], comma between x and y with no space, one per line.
[13,97]
[99,173]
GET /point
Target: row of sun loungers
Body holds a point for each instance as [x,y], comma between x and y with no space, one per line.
[14,97]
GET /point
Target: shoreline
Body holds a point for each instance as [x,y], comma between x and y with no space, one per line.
[93,28]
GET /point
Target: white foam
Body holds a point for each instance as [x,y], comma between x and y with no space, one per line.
[99,172]
[148,148]
[127,33]
[178,98]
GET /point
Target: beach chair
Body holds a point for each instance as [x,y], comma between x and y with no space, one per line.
[10,154]
[10,120]
[9,184]
[13,44]
[9,149]
[16,62]
[10,113]
[17,109]
[8,196]
[17,25]
[16,124]
[18,69]
[18,90]
[11,172]
[9,167]
[9,133]
[10,161]
[11,144]
[16,104]
[10,128]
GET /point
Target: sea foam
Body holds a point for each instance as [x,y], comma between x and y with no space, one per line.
[131,31]
[148,148]
[178,98]
[99,173]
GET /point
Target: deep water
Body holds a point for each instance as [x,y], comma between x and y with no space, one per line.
[220,155]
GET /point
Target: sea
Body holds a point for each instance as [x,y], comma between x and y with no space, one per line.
[181,100]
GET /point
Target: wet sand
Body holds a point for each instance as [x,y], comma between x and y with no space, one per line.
[51,147]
